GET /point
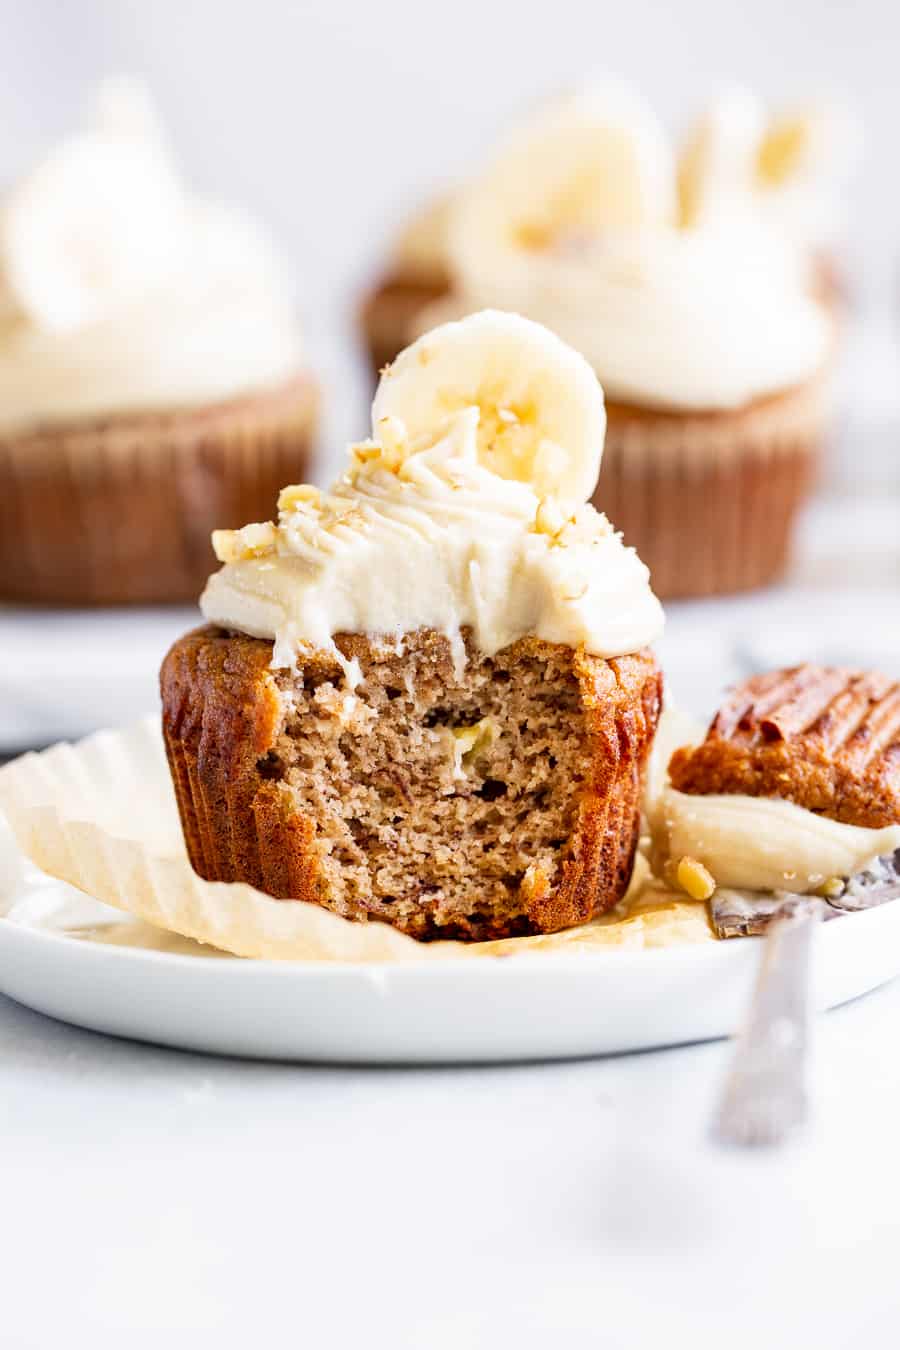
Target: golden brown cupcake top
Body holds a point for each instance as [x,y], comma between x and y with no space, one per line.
[823,737]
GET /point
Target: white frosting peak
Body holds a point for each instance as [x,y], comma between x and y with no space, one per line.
[120,292]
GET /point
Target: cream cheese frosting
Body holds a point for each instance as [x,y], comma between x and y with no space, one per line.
[120,291]
[576,224]
[438,522]
[764,843]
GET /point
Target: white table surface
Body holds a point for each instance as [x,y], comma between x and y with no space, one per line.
[156,1198]
[153,1198]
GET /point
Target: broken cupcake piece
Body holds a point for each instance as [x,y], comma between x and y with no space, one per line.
[795,789]
[427,697]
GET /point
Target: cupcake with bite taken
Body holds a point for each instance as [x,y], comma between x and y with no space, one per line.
[704,331]
[152,379]
[427,697]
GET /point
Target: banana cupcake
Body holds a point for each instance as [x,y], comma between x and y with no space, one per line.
[152,381]
[796,788]
[427,697]
[706,335]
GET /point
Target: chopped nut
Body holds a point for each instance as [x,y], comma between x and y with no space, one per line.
[298,495]
[365,451]
[549,518]
[535,884]
[392,434]
[253,541]
[694,878]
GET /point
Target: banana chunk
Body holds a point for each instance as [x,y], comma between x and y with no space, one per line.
[541,414]
[718,163]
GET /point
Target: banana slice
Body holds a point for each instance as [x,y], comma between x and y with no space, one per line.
[96,223]
[541,415]
[595,161]
[817,142]
[717,167]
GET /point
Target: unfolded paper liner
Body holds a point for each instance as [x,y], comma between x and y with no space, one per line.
[101,816]
[120,510]
[709,500]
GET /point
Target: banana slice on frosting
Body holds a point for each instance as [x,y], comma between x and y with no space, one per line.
[96,223]
[818,141]
[738,156]
[597,160]
[541,414]
[717,167]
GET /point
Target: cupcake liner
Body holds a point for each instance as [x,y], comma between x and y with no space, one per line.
[709,500]
[120,511]
[101,816]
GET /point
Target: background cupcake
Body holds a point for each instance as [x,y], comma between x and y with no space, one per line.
[152,380]
[705,335]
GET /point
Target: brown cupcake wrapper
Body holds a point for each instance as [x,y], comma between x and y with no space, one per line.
[98,816]
[388,314]
[120,510]
[709,500]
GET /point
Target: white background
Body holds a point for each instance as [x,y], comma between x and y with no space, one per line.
[155,1198]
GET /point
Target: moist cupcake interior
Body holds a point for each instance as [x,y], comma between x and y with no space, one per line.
[422,780]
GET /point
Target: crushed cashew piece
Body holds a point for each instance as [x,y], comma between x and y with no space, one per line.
[549,518]
[694,878]
[252,541]
[298,495]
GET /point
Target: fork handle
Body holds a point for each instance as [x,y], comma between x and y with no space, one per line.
[766,1092]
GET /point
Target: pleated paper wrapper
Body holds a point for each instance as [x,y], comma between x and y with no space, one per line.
[101,816]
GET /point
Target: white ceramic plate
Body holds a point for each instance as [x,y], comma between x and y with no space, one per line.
[541,1006]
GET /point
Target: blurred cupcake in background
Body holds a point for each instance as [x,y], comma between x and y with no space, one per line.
[152,378]
[417,274]
[707,336]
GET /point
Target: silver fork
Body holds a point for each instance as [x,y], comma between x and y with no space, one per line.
[766,1094]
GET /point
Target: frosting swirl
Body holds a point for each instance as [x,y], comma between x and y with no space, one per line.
[423,533]
[119,291]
